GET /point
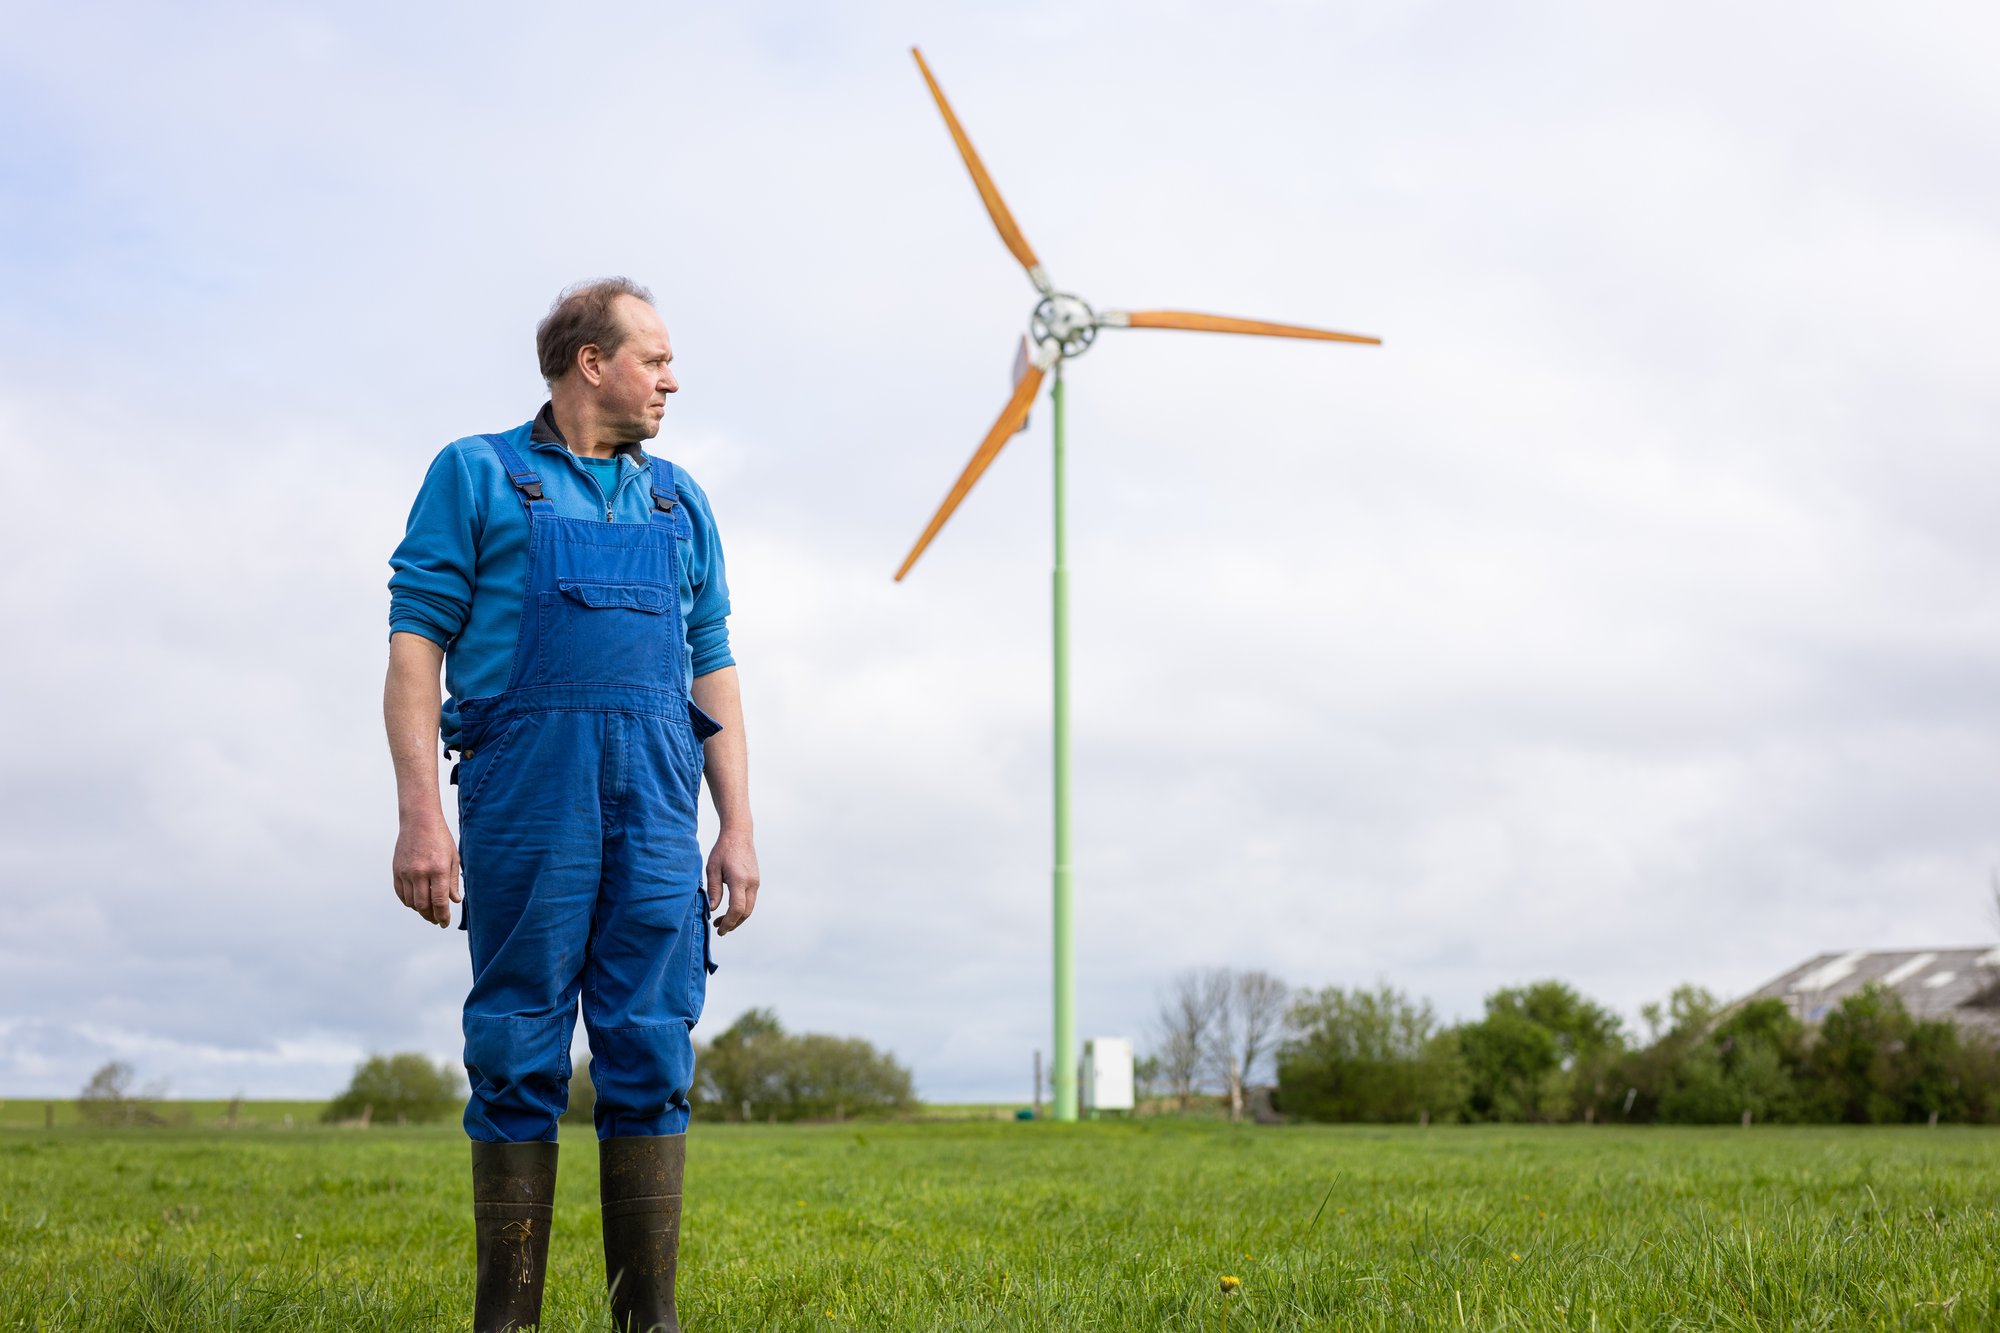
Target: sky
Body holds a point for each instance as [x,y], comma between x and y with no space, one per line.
[1629,617]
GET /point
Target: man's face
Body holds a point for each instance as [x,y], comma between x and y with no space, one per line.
[633,383]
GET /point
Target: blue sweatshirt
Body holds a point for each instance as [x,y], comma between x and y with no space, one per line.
[462,567]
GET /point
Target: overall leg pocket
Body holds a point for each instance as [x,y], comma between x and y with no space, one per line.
[477,763]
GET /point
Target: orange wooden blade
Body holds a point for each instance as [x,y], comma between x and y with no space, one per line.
[1183,319]
[1010,231]
[1010,419]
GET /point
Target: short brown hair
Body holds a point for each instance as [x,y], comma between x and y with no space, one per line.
[582,315]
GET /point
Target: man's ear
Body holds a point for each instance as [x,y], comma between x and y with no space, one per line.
[589,360]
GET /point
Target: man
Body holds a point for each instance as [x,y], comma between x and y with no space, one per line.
[571,587]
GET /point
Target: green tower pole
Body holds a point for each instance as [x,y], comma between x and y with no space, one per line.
[1063,1079]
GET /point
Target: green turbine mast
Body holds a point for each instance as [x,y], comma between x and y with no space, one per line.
[1063,327]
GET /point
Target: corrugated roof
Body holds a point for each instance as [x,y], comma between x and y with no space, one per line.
[1960,984]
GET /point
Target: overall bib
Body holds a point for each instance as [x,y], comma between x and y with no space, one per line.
[578,788]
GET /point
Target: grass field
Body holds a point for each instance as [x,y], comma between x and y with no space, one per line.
[1002,1226]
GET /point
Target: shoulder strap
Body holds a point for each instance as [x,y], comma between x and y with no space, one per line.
[668,506]
[526,482]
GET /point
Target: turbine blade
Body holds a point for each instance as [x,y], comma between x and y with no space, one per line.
[1185,319]
[1024,359]
[996,207]
[1009,421]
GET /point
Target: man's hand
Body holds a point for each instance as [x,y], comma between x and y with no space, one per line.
[426,865]
[427,868]
[733,861]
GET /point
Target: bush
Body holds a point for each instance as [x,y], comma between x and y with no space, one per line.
[582,1097]
[1545,1053]
[404,1088]
[1875,1064]
[1750,1060]
[1368,1055]
[755,1070]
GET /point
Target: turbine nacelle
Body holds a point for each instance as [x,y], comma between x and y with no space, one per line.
[1062,326]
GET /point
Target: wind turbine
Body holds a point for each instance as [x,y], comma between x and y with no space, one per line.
[1063,326]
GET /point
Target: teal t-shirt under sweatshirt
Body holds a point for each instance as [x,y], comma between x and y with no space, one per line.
[605,470]
[462,565]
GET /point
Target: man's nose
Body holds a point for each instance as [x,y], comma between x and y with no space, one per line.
[668,384]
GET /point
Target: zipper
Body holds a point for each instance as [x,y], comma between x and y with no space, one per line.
[609,515]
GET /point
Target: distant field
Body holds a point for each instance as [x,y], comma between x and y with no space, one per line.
[1110,1226]
[33,1113]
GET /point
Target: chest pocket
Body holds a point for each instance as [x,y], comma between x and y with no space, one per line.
[607,633]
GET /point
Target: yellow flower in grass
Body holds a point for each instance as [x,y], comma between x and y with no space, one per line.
[1230,1284]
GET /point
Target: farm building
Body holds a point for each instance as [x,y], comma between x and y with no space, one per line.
[1962,985]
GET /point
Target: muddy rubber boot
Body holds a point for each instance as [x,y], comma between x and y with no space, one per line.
[513,1202]
[640,1184]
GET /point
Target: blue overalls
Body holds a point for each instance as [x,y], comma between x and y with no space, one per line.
[578,788]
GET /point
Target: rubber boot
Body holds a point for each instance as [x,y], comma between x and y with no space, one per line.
[513,1202]
[640,1184]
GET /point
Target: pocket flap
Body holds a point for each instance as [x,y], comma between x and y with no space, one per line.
[704,725]
[625,596]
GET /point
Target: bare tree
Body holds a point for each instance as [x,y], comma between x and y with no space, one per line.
[110,1099]
[1249,1017]
[1184,1031]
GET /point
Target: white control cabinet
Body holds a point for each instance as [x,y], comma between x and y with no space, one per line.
[1107,1074]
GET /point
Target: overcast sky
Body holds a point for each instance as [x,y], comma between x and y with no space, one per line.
[1630,617]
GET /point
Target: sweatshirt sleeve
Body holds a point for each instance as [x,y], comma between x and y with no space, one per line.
[430,586]
[708,620]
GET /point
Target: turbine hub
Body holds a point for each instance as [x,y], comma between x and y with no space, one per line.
[1065,321]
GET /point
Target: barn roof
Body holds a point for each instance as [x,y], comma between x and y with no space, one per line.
[1960,984]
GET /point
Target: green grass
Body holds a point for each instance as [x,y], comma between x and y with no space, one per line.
[990,1225]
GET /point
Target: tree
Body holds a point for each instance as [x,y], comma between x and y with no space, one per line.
[835,1077]
[1542,1052]
[737,1073]
[755,1070]
[405,1087]
[1673,1031]
[1249,1015]
[1368,1055]
[109,1098]
[1747,1063]
[1975,1073]
[1146,1077]
[1185,1030]
[1858,1058]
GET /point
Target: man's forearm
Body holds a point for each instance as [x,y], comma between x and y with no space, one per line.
[727,753]
[410,700]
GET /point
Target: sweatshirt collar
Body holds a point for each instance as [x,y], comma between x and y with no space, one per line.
[543,430]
